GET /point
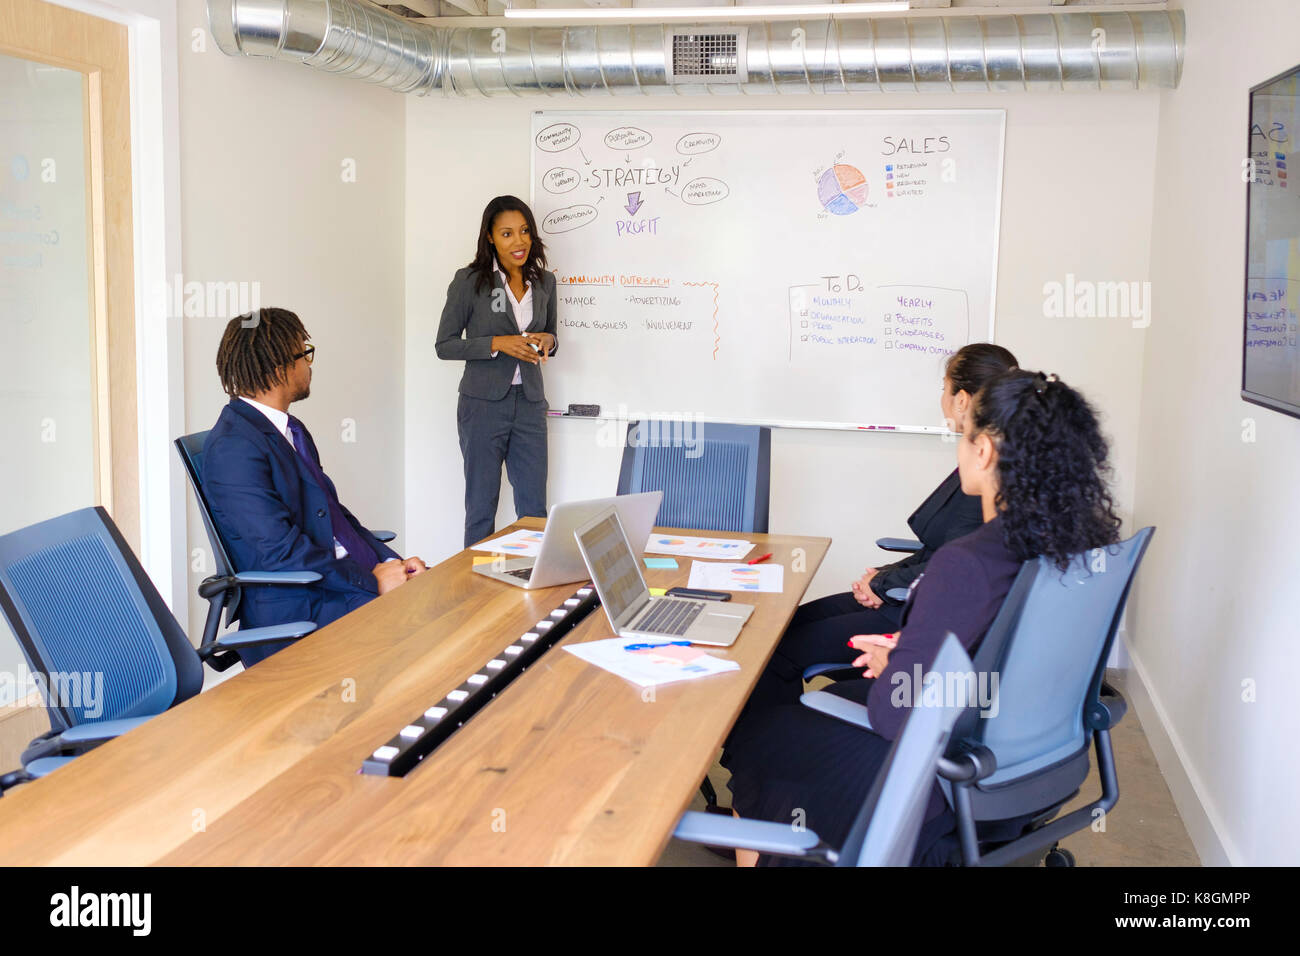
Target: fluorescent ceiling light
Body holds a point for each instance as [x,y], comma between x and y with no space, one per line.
[710,13]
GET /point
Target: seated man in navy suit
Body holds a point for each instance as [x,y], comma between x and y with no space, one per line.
[273,504]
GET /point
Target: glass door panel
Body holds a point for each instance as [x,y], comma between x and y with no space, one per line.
[48,426]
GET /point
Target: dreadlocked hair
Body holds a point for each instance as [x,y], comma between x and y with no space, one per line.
[1053,473]
[257,348]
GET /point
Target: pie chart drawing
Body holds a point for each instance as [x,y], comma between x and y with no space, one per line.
[842,189]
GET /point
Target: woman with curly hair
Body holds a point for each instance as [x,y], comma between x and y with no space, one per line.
[1034,454]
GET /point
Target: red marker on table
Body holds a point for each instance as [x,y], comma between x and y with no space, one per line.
[760,559]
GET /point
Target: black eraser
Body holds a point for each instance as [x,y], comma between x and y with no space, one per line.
[584,411]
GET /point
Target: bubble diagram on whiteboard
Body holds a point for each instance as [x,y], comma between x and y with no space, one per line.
[842,189]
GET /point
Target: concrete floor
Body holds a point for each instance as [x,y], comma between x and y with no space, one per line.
[1144,829]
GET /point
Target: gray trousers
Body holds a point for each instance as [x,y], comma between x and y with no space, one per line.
[512,430]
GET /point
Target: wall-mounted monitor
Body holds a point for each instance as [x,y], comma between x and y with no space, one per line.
[1271,359]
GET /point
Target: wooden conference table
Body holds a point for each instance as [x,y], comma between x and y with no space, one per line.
[570,765]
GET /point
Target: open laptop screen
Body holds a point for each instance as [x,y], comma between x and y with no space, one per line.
[613,565]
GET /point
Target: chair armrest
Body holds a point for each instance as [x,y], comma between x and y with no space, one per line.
[46,765]
[837,707]
[779,838]
[13,778]
[245,578]
[898,544]
[1107,711]
[103,730]
[252,636]
[33,771]
[830,667]
[967,763]
[211,587]
[384,536]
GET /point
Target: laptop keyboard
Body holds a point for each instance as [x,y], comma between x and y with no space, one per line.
[669,617]
[522,573]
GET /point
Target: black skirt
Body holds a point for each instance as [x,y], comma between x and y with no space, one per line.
[818,634]
[791,764]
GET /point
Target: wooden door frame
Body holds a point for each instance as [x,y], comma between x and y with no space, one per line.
[99,49]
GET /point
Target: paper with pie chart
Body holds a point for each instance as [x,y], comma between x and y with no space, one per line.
[755,578]
[520,544]
[687,546]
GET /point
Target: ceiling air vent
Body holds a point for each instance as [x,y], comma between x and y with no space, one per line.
[706,56]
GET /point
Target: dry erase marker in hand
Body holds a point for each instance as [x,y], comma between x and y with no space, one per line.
[760,559]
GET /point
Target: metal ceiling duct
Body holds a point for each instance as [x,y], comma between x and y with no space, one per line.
[1049,51]
[339,36]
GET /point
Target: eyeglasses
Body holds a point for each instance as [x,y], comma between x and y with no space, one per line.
[309,353]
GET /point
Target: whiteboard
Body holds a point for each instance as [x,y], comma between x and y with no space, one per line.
[1271,363]
[799,268]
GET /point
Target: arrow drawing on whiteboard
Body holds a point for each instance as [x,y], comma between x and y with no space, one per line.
[600,200]
[670,192]
[584,156]
[633,203]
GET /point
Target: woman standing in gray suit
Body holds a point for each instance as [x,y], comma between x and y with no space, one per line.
[500,321]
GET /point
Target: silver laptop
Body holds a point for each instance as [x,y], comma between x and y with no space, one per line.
[632,611]
[558,561]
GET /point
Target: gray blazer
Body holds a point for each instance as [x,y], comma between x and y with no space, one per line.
[468,324]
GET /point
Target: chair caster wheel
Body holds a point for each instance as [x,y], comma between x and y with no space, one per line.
[1058,857]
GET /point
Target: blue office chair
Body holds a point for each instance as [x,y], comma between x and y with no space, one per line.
[906,546]
[97,636]
[1008,774]
[224,589]
[888,825]
[720,483]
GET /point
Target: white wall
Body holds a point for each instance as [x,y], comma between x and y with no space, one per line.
[1076,199]
[1214,606]
[263,152]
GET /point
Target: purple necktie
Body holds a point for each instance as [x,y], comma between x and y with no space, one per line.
[357,547]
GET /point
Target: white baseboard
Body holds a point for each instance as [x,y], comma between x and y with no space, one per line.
[1203,825]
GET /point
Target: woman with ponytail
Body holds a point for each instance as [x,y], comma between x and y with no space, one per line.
[819,630]
[1034,455]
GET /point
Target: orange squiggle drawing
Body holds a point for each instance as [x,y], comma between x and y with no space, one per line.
[716,337]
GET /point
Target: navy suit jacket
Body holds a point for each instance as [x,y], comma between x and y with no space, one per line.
[275,517]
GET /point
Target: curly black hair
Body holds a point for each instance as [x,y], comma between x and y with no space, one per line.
[1053,473]
[485,253]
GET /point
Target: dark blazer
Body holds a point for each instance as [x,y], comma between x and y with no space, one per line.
[963,591]
[469,322]
[275,517]
[944,516]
